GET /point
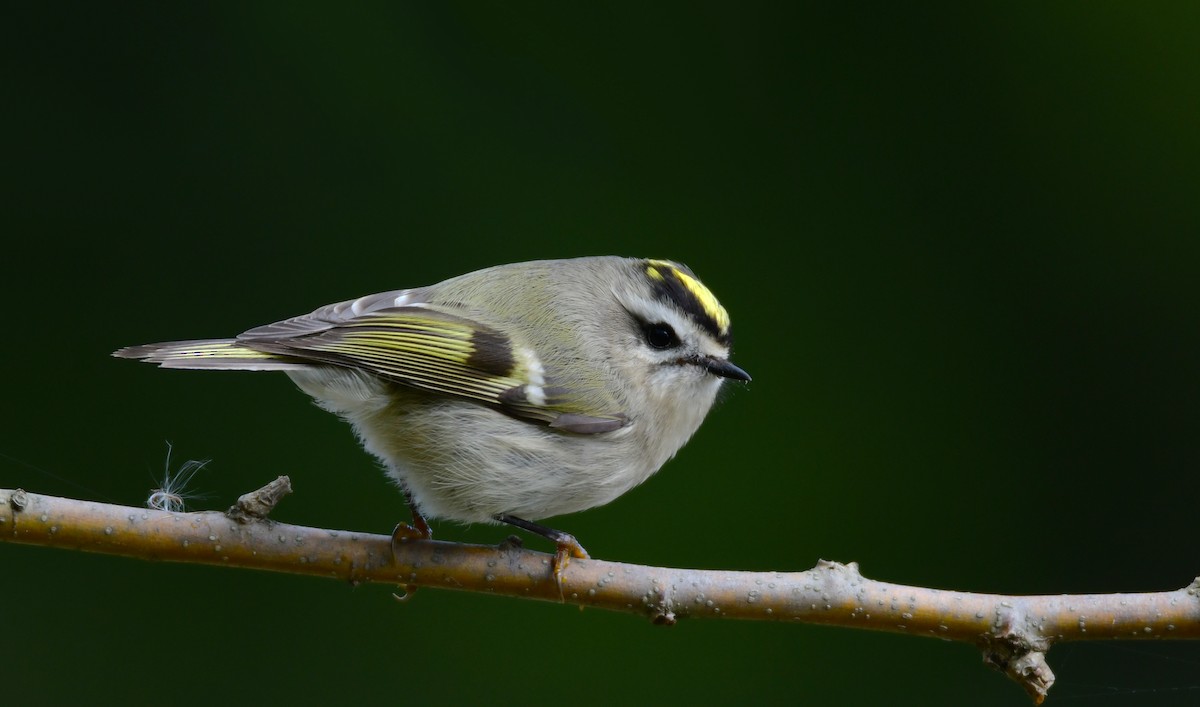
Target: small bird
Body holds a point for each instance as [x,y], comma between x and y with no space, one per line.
[509,394]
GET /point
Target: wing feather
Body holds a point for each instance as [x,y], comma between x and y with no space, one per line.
[431,349]
[403,337]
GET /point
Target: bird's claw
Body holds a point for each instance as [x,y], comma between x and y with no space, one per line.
[568,547]
[403,532]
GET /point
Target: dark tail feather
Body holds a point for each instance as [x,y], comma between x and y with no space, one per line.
[212,354]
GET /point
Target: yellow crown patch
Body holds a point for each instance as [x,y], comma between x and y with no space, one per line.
[697,299]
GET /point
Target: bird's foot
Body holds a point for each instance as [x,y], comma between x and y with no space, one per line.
[403,533]
[418,530]
[567,547]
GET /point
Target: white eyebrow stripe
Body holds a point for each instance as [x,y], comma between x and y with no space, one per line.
[656,311]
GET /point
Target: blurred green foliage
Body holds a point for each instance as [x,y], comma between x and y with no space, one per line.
[959,244]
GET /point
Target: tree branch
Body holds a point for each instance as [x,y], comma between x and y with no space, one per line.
[1013,632]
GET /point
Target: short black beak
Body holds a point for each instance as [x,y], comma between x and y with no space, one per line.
[725,369]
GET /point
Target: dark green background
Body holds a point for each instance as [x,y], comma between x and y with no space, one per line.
[959,246]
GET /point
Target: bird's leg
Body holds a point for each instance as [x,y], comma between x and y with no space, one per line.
[567,545]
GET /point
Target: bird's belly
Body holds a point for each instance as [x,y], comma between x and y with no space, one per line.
[465,462]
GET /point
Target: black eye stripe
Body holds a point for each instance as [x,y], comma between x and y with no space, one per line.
[660,335]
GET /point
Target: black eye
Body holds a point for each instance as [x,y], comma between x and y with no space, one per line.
[660,335]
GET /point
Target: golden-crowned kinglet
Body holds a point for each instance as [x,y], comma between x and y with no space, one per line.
[510,394]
